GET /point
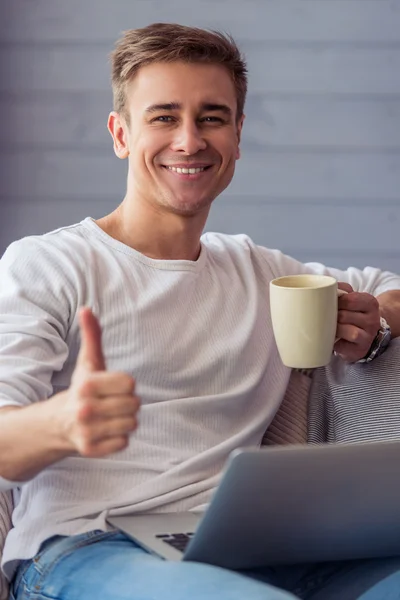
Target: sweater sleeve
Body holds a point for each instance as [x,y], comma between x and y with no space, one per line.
[370,279]
[34,317]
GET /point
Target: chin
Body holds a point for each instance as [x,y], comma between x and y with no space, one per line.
[186,206]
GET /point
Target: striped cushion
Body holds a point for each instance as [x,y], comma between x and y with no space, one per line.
[341,403]
[356,402]
[289,425]
[6,507]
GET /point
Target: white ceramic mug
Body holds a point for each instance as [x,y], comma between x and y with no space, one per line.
[304,312]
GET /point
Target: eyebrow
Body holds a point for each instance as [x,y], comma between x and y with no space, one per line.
[207,106]
[167,106]
[217,108]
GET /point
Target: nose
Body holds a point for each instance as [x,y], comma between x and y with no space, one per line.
[188,139]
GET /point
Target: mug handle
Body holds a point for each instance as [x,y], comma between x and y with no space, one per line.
[340,293]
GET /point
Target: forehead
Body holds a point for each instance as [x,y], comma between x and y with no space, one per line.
[189,84]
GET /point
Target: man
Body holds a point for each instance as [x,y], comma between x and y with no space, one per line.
[182,322]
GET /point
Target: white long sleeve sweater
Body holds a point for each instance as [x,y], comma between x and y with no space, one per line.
[197,337]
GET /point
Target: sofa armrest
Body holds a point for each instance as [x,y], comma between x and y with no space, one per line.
[290,424]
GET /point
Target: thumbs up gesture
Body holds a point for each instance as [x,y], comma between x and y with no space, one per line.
[100,407]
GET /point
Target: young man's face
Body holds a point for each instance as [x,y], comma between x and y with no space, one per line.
[182,116]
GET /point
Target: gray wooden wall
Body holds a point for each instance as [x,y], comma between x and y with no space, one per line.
[320,172]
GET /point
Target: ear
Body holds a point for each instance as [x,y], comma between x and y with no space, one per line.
[239,135]
[118,130]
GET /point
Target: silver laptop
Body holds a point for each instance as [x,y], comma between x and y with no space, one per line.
[286,505]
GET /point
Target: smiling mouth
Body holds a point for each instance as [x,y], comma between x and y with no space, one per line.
[188,170]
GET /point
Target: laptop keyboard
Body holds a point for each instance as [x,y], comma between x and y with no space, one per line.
[179,541]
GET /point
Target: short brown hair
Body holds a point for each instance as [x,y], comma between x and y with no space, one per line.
[170,42]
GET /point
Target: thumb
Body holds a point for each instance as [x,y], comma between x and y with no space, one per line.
[346,287]
[90,355]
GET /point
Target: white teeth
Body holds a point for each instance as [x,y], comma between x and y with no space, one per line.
[186,171]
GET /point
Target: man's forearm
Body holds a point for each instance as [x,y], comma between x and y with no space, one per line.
[29,441]
[389,303]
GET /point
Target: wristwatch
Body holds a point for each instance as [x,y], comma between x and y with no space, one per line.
[380,342]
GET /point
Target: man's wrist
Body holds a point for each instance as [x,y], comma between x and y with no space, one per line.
[389,308]
[380,343]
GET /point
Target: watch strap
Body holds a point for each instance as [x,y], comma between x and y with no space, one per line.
[380,343]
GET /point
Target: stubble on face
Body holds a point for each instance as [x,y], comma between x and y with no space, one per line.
[181,116]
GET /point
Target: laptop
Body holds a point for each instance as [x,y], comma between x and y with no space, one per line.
[286,505]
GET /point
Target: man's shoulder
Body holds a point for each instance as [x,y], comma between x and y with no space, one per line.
[62,251]
[51,244]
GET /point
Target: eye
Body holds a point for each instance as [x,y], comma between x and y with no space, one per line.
[213,119]
[163,119]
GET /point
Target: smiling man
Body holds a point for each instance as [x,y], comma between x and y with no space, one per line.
[179,325]
[179,123]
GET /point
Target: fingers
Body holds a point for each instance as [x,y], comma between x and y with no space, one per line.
[108,408]
[105,447]
[358,302]
[345,287]
[104,425]
[111,428]
[354,334]
[367,321]
[90,356]
[358,313]
[101,409]
[105,383]
[351,351]
[358,324]
[354,342]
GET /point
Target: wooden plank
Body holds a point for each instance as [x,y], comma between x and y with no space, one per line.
[312,229]
[314,232]
[322,70]
[302,175]
[60,119]
[309,20]
[363,258]
[58,174]
[54,68]
[287,174]
[310,175]
[323,121]
[78,120]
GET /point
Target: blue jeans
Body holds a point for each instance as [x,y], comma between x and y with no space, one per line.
[100,566]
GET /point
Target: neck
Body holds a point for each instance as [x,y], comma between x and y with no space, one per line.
[156,233]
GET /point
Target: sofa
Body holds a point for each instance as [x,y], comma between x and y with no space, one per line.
[339,403]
